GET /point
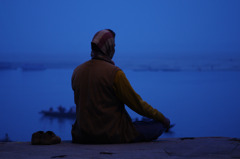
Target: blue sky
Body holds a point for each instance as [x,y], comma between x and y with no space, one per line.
[63,29]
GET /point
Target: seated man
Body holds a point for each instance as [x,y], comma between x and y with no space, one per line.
[100,91]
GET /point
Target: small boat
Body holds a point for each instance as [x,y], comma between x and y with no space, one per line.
[61,113]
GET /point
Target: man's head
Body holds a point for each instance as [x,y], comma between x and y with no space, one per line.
[103,42]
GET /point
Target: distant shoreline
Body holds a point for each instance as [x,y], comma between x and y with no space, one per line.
[153,65]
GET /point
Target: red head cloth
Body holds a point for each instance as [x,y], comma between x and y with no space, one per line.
[105,41]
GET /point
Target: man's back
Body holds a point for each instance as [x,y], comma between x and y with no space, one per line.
[101,117]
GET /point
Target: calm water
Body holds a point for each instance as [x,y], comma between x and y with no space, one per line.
[199,103]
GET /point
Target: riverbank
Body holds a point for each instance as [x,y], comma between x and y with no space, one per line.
[201,147]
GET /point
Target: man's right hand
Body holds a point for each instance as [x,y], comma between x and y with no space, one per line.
[166,122]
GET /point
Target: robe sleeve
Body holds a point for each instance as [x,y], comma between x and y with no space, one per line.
[128,96]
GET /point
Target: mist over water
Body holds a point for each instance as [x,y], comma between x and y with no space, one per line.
[201,102]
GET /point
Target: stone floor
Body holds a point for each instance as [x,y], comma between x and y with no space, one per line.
[177,148]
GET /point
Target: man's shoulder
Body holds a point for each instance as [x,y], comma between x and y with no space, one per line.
[80,67]
[100,64]
[82,64]
[103,63]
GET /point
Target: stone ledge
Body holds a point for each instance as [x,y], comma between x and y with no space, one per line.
[200,147]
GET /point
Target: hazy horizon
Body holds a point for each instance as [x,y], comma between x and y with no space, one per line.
[60,30]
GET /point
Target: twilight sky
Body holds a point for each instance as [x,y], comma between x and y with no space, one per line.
[63,29]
